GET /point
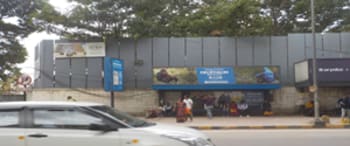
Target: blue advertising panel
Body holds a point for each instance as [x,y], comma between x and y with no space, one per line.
[113,74]
[216,78]
[222,75]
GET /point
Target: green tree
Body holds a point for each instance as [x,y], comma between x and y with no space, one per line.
[17,20]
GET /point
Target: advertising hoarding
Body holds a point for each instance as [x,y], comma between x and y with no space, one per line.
[79,49]
[256,77]
[113,74]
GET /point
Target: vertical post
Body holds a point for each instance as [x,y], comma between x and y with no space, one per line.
[112,91]
[112,99]
[314,64]
[25,93]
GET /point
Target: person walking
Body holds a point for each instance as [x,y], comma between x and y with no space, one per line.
[180,110]
[189,103]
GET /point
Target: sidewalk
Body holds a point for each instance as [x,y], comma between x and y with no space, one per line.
[277,122]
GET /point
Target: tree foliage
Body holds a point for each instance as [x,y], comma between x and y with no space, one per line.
[17,20]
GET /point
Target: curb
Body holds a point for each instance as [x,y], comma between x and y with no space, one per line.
[271,127]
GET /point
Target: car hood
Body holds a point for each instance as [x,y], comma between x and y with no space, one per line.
[164,129]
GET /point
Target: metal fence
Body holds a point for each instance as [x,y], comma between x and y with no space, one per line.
[141,55]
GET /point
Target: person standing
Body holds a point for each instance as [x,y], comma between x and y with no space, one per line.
[341,104]
[243,108]
[180,110]
[189,103]
[347,106]
[209,105]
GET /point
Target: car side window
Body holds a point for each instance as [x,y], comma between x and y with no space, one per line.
[9,118]
[64,119]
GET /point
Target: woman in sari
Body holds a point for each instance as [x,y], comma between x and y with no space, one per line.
[180,111]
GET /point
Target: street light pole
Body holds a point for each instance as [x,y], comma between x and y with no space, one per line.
[314,64]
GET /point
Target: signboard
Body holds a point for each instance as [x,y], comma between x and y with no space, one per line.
[113,74]
[333,70]
[78,49]
[215,75]
[256,77]
[330,72]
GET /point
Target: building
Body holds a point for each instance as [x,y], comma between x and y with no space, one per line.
[61,72]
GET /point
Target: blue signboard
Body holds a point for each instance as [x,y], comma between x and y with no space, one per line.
[223,75]
[113,74]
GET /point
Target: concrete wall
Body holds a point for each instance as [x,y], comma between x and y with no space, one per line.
[131,101]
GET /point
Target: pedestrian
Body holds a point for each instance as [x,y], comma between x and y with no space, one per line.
[341,104]
[167,108]
[267,108]
[189,103]
[243,108]
[309,108]
[70,98]
[233,109]
[347,106]
[180,110]
[209,105]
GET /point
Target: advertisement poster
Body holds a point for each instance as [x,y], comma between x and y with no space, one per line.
[222,75]
[175,76]
[257,75]
[113,74]
[217,75]
[76,49]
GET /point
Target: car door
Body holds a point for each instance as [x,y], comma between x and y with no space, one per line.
[67,127]
[11,127]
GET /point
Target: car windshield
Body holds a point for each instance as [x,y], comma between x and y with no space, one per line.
[128,119]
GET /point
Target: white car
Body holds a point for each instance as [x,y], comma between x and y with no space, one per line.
[86,124]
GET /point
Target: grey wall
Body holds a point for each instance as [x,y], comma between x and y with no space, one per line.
[140,56]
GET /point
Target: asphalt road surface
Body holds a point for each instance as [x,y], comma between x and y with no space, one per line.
[298,137]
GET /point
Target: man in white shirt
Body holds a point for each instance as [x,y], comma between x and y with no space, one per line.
[189,103]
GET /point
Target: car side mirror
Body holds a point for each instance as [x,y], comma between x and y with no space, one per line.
[101,127]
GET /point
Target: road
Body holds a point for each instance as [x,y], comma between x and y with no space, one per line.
[307,137]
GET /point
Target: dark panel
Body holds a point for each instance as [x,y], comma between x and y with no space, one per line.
[62,73]
[345,44]
[160,52]
[177,52]
[296,52]
[78,73]
[245,51]
[211,51]
[46,63]
[112,48]
[262,51]
[95,67]
[144,69]
[127,54]
[194,52]
[279,55]
[227,51]
[309,46]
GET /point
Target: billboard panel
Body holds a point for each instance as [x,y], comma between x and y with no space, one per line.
[333,70]
[301,72]
[216,75]
[113,74]
[174,76]
[78,49]
[257,75]
[222,75]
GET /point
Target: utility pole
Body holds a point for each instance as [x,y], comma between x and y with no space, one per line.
[317,121]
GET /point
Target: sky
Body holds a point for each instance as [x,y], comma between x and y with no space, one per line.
[35,38]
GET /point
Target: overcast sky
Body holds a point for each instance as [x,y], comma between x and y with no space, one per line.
[34,39]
